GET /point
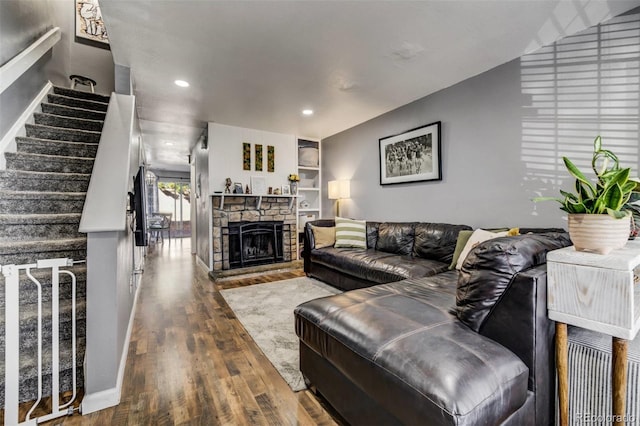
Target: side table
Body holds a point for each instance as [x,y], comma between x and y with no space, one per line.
[599,293]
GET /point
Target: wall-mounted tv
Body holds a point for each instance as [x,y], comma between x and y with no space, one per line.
[139,199]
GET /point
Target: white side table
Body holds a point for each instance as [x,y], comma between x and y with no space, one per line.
[599,293]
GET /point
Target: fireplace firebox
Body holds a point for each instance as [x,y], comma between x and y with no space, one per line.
[254,243]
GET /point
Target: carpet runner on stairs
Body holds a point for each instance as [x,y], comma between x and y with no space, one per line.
[42,193]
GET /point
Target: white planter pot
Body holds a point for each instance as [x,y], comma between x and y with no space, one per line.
[598,233]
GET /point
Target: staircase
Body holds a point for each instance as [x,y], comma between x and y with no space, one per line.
[42,193]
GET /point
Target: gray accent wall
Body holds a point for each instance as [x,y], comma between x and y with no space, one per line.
[503,134]
[21,23]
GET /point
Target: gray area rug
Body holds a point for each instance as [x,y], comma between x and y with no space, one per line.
[266,312]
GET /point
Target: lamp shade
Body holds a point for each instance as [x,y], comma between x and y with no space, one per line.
[339,189]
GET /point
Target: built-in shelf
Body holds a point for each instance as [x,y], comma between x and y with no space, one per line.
[310,181]
[257,196]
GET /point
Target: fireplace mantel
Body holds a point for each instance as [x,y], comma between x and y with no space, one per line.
[257,196]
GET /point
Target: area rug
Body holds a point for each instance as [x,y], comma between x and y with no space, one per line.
[266,312]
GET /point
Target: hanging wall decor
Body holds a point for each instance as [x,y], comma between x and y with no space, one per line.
[258,160]
[246,156]
[271,158]
[90,28]
[412,156]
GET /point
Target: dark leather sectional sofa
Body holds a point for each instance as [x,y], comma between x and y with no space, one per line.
[418,344]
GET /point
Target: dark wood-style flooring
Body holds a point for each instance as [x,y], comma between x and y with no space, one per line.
[191,362]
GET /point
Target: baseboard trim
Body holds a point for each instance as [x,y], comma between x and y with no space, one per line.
[8,142]
[111,397]
[202,265]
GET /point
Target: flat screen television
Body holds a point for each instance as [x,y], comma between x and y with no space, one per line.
[139,204]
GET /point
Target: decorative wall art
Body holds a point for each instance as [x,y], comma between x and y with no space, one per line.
[90,28]
[271,158]
[412,156]
[258,158]
[246,156]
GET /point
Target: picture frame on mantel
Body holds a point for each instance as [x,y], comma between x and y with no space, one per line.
[411,156]
[258,185]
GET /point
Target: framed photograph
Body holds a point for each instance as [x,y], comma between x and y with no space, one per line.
[258,185]
[237,188]
[286,190]
[412,156]
[89,25]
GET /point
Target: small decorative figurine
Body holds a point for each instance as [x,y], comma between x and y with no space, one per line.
[227,186]
[247,190]
[276,191]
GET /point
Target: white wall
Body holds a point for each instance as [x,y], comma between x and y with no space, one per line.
[503,135]
[225,156]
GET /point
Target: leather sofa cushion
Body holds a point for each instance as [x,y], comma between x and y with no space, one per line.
[400,343]
[372,234]
[490,268]
[436,241]
[376,266]
[396,237]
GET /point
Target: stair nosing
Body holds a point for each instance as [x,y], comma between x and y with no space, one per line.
[66,117]
[32,139]
[53,157]
[78,99]
[80,91]
[41,175]
[68,129]
[71,107]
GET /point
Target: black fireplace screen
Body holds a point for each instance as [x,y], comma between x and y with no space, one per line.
[254,243]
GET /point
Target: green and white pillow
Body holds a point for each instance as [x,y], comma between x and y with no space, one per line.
[351,233]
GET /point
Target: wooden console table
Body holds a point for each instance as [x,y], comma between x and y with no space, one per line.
[599,293]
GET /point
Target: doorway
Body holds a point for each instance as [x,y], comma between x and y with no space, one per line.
[174,197]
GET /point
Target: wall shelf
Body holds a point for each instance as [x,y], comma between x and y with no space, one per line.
[257,196]
[310,181]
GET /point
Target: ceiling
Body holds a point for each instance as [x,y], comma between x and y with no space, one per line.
[257,64]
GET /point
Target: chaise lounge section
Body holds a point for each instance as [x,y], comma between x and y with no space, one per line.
[454,348]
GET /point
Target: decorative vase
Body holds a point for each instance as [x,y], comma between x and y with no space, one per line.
[598,233]
[294,188]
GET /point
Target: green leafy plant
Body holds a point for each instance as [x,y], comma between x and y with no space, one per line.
[609,193]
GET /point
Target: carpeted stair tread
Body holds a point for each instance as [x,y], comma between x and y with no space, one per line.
[41,195]
[48,163]
[34,202]
[54,147]
[77,103]
[65,91]
[38,219]
[42,131]
[42,246]
[17,227]
[68,111]
[67,122]
[20,180]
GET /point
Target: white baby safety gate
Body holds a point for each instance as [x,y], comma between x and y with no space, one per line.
[12,339]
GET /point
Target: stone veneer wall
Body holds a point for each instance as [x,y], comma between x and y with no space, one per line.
[239,209]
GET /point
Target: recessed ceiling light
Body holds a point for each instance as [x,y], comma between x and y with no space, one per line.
[307,112]
[169,143]
[181,83]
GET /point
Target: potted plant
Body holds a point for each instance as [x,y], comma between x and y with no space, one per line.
[598,219]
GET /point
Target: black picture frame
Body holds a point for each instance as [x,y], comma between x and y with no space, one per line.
[411,156]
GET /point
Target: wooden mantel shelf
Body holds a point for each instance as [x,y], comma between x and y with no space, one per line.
[257,196]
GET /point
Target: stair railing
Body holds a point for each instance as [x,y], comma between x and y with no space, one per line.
[12,340]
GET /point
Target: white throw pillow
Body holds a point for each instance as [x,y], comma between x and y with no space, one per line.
[478,236]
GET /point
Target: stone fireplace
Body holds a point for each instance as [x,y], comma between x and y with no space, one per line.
[252,230]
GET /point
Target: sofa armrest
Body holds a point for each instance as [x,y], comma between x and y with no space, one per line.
[519,322]
[309,241]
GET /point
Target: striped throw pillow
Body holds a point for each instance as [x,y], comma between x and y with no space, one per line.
[351,233]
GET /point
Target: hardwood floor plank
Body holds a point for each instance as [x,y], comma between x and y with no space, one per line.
[191,362]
